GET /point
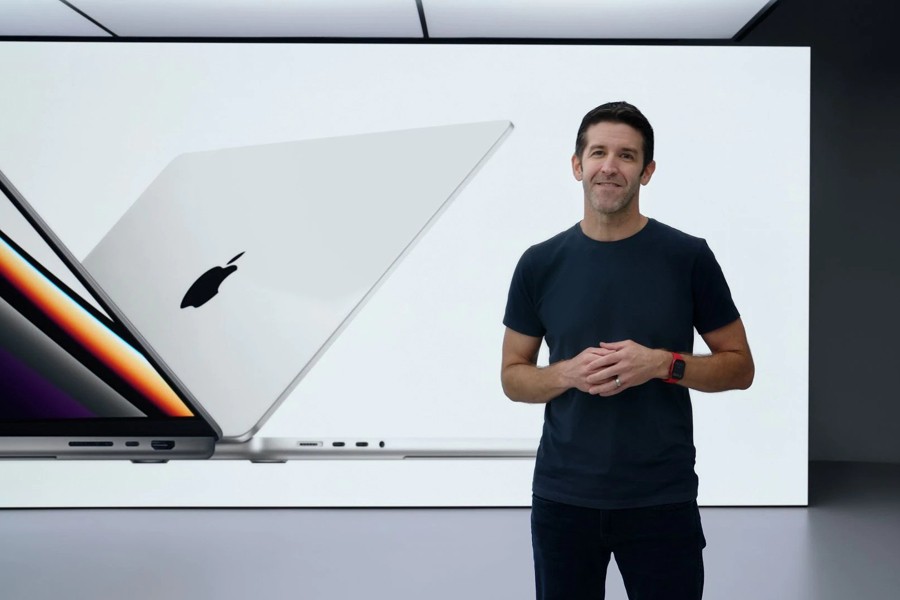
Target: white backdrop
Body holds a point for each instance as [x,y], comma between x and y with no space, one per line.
[84,128]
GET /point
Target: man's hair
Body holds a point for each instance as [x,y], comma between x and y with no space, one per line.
[617,112]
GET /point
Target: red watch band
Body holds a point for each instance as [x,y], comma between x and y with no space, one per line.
[670,379]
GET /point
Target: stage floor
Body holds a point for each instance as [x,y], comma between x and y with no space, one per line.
[844,546]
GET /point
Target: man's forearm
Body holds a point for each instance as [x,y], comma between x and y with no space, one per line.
[536,385]
[726,370]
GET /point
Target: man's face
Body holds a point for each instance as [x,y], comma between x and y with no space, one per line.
[611,167]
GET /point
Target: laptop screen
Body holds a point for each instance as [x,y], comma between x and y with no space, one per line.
[61,358]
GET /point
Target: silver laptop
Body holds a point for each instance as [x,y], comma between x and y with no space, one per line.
[74,383]
[239,267]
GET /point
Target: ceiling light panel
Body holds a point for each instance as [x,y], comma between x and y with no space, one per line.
[256,18]
[44,18]
[590,19]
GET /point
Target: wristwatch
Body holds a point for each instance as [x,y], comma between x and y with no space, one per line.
[676,369]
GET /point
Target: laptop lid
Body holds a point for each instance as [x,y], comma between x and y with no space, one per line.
[74,383]
[241,265]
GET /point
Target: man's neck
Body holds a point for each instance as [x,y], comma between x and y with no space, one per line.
[611,228]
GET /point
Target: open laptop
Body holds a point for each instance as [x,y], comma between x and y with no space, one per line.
[74,383]
[240,267]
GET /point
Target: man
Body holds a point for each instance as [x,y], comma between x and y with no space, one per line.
[617,298]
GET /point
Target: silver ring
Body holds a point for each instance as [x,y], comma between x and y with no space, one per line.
[618,383]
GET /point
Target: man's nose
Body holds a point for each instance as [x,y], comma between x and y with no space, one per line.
[609,165]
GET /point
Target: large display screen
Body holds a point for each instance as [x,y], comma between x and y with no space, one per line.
[88,127]
[60,358]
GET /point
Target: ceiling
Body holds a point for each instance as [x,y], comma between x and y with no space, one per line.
[412,19]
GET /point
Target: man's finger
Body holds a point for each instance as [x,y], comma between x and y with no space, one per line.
[601,362]
[599,377]
[606,374]
[614,345]
[598,351]
[600,386]
[606,389]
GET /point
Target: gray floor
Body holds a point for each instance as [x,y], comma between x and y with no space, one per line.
[846,545]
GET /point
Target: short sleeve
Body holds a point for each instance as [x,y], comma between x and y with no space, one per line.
[521,310]
[713,305]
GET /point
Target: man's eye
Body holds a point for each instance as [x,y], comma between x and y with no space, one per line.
[627,156]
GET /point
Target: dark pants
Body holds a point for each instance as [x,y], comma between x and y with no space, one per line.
[658,550]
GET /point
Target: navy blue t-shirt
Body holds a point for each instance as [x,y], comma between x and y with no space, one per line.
[635,448]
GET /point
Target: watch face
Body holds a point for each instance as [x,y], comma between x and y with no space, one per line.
[678,369]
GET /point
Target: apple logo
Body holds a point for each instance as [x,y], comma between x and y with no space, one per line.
[207,285]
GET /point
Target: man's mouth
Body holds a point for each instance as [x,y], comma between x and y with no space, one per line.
[608,183]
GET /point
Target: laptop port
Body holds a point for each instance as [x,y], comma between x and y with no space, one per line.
[337,444]
[306,444]
[90,444]
[362,444]
[162,444]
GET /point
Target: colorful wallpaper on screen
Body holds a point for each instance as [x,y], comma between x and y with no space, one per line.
[90,335]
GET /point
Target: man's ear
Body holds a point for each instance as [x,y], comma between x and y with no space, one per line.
[648,172]
[576,167]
